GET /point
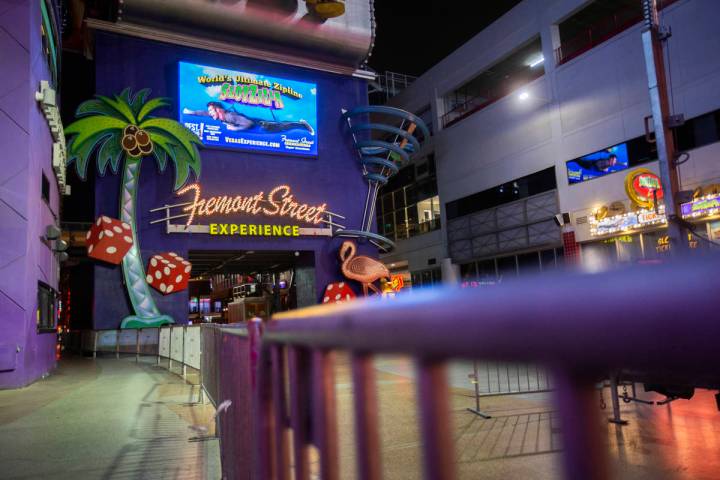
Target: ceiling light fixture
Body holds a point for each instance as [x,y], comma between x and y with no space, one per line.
[523,96]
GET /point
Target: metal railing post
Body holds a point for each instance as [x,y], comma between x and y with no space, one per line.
[170,328]
[615,401]
[117,344]
[95,336]
[137,345]
[184,341]
[585,456]
[477,410]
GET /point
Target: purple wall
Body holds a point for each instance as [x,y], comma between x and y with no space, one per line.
[26,151]
[334,177]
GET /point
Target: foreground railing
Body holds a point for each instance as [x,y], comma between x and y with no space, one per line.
[658,320]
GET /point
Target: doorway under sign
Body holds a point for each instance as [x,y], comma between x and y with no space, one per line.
[230,286]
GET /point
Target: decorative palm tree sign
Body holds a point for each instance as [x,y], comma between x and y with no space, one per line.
[121,128]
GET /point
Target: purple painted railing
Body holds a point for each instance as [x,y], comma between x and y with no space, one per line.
[658,320]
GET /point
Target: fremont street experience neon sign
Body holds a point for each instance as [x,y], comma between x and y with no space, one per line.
[280,202]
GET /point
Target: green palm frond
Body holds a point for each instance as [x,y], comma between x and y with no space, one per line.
[79,152]
[136,102]
[110,153]
[88,126]
[88,134]
[96,106]
[151,105]
[121,106]
[179,145]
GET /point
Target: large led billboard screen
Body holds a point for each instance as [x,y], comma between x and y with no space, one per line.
[248,110]
[598,164]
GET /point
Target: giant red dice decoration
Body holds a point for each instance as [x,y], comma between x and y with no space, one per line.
[108,240]
[338,293]
[168,272]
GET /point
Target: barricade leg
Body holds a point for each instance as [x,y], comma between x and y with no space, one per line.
[477,410]
[616,419]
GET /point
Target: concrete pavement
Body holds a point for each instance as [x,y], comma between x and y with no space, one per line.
[105,419]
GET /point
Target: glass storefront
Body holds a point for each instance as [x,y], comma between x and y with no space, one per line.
[638,248]
[494,270]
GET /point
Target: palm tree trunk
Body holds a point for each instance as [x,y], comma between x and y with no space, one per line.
[146,312]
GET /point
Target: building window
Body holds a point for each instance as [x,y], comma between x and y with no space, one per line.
[45,188]
[409,205]
[493,270]
[517,189]
[596,23]
[699,131]
[427,278]
[495,82]
[46,308]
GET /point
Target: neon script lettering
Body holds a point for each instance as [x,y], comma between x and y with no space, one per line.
[279,202]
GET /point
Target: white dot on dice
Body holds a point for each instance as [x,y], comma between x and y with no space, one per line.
[149,278]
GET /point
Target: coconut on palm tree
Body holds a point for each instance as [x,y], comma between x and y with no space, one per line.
[122,132]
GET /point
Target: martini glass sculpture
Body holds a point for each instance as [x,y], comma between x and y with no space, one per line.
[385,138]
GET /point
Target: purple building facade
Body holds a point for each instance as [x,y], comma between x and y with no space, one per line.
[28,202]
[333,176]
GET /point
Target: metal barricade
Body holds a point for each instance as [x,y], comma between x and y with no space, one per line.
[505,378]
[281,380]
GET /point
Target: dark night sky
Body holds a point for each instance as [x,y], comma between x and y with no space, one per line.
[412,36]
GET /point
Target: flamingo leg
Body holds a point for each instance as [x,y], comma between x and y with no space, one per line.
[374,288]
[365,289]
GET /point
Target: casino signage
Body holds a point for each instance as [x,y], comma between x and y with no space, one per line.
[644,188]
[706,206]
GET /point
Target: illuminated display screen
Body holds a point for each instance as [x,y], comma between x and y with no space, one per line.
[247,110]
[598,164]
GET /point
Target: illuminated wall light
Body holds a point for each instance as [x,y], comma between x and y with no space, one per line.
[537,62]
[523,96]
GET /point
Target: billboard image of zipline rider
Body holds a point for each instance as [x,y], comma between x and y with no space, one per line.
[248,111]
